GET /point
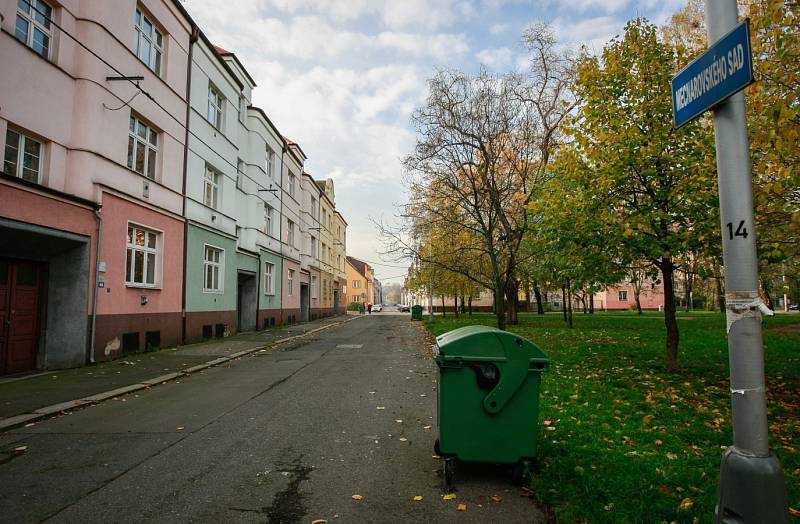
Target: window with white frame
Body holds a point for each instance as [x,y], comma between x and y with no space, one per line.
[313,286]
[33,27]
[269,278]
[211,187]
[268,219]
[141,257]
[290,282]
[142,148]
[215,105]
[623,296]
[270,163]
[356,284]
[23,156]
[149,42]
[290,232]
[213,269]
[292,180]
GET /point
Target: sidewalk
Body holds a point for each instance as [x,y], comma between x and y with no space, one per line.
[29,398]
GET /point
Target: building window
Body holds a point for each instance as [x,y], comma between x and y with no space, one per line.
[623,296]
[240,173]
[215,102]
[313,286]
[290,282]
[33,25]
[142,148]
[339,261]
[149,42]
[290,232]
[242,109]
[213,269]
[269,278]
[23,156]
[313,207]
[292,180]
[211,187]
[140,261]
[268,218]
[270,163]
[356,284]
[313,247]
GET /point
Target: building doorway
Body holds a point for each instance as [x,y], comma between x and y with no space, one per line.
[246,301]
[304,302]
[336,301]
[20,290]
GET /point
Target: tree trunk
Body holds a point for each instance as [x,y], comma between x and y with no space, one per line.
[528,300]
[591,303]
[688,286]
[463,310]
[718,281]
[564,301]
[670,320]
[767,294]
[538,294]
[569,297]
[455,306]
[583,303]
[499,305]
[444,308]
[512,290]
[470,305]
[637,298]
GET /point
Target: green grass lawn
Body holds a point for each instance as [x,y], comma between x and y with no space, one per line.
[628,442]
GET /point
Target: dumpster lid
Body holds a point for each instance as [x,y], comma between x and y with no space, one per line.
[485,341]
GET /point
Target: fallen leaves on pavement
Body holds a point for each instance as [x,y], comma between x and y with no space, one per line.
[418,498]
[496,498]
[449,496]
[357,497]
[461,507]
[21,449]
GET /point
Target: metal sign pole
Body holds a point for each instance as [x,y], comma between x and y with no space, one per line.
[751,485]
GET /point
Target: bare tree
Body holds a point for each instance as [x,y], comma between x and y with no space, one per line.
[483,148]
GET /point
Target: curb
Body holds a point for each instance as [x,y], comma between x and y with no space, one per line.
[47,411]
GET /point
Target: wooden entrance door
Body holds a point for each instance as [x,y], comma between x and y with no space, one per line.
[20,283]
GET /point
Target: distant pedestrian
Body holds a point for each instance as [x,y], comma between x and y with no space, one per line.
[369,308]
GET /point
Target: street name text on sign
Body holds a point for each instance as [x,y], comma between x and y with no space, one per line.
[724,69]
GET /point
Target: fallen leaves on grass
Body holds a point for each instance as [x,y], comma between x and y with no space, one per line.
[793,512]
[672,456]
[686,504]
[357,497]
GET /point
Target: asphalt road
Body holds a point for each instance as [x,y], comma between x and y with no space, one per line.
[285,435]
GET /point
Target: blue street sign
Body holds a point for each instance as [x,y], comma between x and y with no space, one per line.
[724,69]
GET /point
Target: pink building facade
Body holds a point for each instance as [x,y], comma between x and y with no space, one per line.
[92,177]
[622,297]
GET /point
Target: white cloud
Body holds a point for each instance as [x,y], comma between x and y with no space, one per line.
[439,46]
[496,59]
[498,29]
[592,32]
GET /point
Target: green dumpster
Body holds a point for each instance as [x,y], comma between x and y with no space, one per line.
[416,312]
[488,398]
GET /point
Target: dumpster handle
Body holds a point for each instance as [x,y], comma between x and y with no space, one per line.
[512,376]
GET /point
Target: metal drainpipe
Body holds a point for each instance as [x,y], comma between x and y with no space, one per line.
[96,284]
[192,40]
[280,222]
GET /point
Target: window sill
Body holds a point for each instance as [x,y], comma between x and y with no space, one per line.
[214,291]
[142,286]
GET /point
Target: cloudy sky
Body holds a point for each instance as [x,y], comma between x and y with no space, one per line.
[341,77]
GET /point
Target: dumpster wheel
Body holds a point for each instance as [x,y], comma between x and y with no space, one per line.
[449,470]
[522,472]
